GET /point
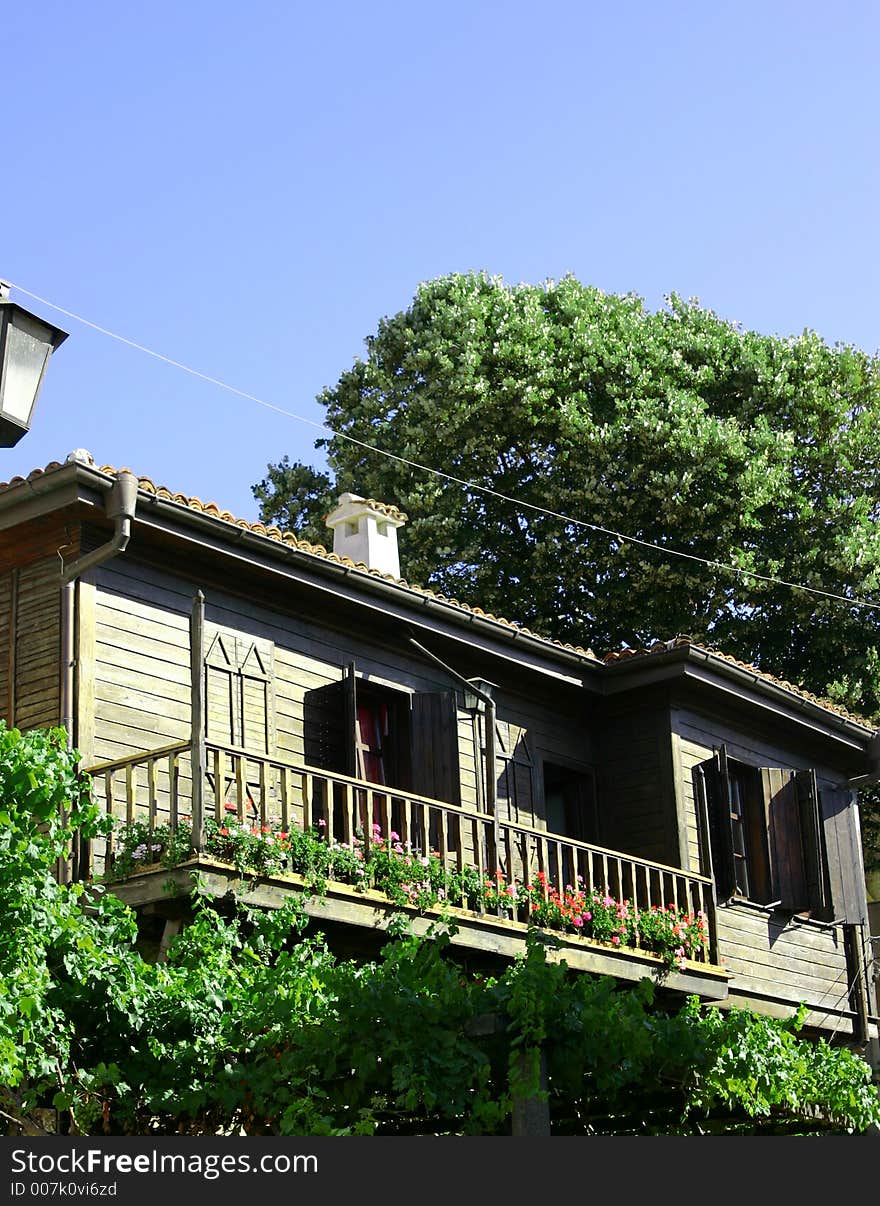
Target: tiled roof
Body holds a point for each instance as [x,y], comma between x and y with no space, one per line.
[315,550]
[688,642]
[682,642]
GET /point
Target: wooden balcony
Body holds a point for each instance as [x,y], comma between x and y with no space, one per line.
[269,793]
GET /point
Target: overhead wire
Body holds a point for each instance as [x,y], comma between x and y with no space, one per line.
[521,504]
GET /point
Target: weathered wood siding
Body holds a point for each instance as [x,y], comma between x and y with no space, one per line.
[8,592]
[769,955]
[636,803]
[529,733]
[142,683]
[142,661]
[30,621]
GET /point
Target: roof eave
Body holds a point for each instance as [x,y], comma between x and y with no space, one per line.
[684,661]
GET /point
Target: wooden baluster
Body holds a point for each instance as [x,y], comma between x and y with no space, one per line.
[459,857]
[544,865]
[108,808]
[348,818]
[152,791]
[173,786]
[308,815]
[406,824]
[284,789]
[219,786]
[507,844]
[480,862]
[634,901]
[423,823]
[240,786]
[130,782]
[264,793]
[443,848]
[557,866]
[385,817]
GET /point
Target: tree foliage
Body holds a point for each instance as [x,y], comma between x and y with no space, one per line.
[252,1026]
[674,427]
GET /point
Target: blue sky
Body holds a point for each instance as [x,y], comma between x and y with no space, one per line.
[249,189]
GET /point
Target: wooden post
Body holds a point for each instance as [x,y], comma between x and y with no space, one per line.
[197,734]
[13,639]
[854,937]
[492,792]
[531,1115]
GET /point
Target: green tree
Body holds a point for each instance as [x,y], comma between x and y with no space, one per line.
[674,427]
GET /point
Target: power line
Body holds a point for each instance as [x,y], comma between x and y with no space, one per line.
[475,486]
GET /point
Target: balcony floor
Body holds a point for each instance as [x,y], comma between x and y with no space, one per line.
[164,890]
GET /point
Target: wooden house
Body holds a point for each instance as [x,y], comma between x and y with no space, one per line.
[207,668]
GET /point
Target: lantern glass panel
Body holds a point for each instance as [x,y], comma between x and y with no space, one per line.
[27,351]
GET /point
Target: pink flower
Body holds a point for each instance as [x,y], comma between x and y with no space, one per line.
[588,916]
[578,921]
[615,941]
[322,824]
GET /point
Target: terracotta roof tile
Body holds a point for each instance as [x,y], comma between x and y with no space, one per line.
[689,642]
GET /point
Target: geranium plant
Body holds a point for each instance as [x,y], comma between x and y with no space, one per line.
[419,880]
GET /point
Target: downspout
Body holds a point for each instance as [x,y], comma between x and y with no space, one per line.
[120,506]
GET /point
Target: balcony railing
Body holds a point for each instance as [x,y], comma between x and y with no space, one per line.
[155,787]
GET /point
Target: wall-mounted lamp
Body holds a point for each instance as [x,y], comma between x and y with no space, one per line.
[480,690]
[26,343]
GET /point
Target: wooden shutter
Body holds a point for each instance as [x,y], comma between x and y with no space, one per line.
[791,801]
[221,713]
[329,714]
[716,787]
[516,774]
[257,697]
[349,713]
[811,841]
[843,846]
[434,746]
[787,879]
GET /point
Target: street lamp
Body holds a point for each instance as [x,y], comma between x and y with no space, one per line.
[25,345]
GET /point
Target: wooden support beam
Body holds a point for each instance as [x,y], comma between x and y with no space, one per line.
[197,730]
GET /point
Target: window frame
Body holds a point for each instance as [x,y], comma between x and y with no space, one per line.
[762,835]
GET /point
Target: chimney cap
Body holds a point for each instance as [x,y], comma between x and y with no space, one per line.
[351,504]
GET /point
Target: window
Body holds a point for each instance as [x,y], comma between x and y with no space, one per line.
[570,802]
[369,731]
[762,834]
[240,711]
[239,701]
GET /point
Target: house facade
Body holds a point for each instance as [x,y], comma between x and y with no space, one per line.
[207,667]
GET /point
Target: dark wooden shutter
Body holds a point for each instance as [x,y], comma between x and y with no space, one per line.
[716,786]
[350,711]
[787,879]
[843,847]
[329,714]
[811,841]
[797,866]
[434,746]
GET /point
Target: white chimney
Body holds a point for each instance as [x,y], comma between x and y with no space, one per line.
[366,530]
